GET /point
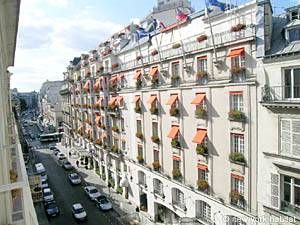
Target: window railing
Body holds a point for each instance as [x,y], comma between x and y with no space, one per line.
[280,93]
[289,208]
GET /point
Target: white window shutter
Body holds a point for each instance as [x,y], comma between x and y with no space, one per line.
[275,191]
[296,138]
[285,136]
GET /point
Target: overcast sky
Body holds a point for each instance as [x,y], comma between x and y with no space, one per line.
[52,32]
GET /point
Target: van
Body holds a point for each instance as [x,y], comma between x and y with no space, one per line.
[40,169]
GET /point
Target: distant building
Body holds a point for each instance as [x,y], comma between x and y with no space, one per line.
[50,104]
[31,98]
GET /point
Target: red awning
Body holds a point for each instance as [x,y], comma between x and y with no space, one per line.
[152,99]
[200,135]
[112,101]
[202,166]
[173,132]
[235,92]
[198,99]
[137,74]
[172,99]
[99,101]
[176,158]
[238,177]
[153,71]
[86,87]
[236,52]
[97,85]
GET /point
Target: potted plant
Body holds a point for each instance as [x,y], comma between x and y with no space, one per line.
[176,174]
[154,81]
[138,109]
[175,80]
[237,157]
[202,185]
[175,143]
[200,113]
[115,128]
[140,159]
[174,111]
[201,149]
[238,27]
[99,142]
[138,83]
[176,45]
[114,149]
[201,38]
[154,110]
[201,74]
[156,165]
[236,115]
[139,135]
[154,52]
[237,69]
[155,139]
[236,197]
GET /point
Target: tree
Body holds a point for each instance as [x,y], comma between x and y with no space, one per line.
[23,104]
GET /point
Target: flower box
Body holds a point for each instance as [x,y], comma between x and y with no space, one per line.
[177,175]
[201,74]
[115,129]
[98,142]
[238,27]
[138,109]
[202,38]
[139,135]
[78,78]
[138,58]
[201,149]
[175,143]
[235,115]
[88,74]
[200,113]
[154,81]
[202,185]
[174,111]
[237,70]
[138,84]
[156,165]
[115,149]
[155,139]
[140,159]
[154,110]
[236,198]
[176,45]
[237,157]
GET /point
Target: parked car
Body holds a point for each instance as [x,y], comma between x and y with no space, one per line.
[56,152]
[74,178]
[67,165]
[44,184]
[53,148]
[51,209]
[48,195]
[91,192]
[78,212]
[61,156]
[103,203]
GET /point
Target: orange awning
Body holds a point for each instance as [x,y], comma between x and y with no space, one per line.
[153,71]
[238,177]
[198,99]
[176,158]
[137,74]
[120,100]
[113,79]
[152,99]
[235,92]
[99,101]
[97,84]
[137,98]
[199,137]
[173,132]
[236,52]
[112,101]
[172,99]
[86,87]
[202,167]
[98,119]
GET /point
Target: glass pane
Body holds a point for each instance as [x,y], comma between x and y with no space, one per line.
[287,179]
[296,83]
[287,83]
[287,192]
[297,195]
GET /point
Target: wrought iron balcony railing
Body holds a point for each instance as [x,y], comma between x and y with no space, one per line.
[280,94]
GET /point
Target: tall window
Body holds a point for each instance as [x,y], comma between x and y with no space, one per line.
[178,198]
[236,101]
[237,190]
[115,141]
[291,192]
[155,155]
[123,145]
[175,69]
[202,174]
[237,143]
[292,83]
[202,64]
[141,178]
[176,164]
[122,124]
[237,185]
[154,129]
[140,150]
[93,70]
[238,61]
[158,187]
[294,34]
[203,211]
[290,137]
[139,126]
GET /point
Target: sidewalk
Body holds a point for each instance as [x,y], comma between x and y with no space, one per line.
[121,206]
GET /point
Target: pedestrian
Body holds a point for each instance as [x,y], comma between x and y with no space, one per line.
[77,163]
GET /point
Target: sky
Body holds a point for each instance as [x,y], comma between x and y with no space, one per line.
[53,32]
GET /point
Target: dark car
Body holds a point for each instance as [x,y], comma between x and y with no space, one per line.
[52,148]
[67,165]
[51,209]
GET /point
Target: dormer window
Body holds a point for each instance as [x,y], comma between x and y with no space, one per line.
[294,34]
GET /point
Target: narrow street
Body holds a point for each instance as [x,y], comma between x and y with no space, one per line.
[65,193]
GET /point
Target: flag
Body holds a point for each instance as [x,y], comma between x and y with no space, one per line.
[154,25]
[180,15]
[217,4]
[141,33]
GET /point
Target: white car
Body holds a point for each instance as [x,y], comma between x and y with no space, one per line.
[92,192]
[61,156]
[44,184]
[78,212]
[74,178]
[103,203]
[48,195]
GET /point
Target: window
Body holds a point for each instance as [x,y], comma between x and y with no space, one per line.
[178,198]
[238,61]
[158,187]
[236,101]
[202,174]
[176,164]
[290,137]
[155,155]
[291,193]
[82,74]
[202,64]
[294,34]
[115,141]
[139,126]
[140,150]
[294,15]
[141,178]
[237,185]
[93,70]
[122,124]
[123,145]
[237,143]
[292,83]
[237,190]
[154,129]
[175,69]
[203,211]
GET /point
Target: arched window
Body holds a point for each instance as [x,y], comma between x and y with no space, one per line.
[141,178]
[178,198]
[203,211]
[158,187]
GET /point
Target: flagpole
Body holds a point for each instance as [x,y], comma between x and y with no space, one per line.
[211,32]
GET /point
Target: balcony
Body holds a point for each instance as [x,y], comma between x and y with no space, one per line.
[280,96]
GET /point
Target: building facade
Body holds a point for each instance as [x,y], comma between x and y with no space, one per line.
[31,99]
[171,122]
[279,133]
[15,197]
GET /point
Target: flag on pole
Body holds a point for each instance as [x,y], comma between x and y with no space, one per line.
[141,33]
[217,4]
[180,15]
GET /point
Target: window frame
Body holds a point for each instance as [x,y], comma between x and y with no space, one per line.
[237,143]
[236,99]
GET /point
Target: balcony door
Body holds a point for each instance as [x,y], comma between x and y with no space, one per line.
[292,83]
